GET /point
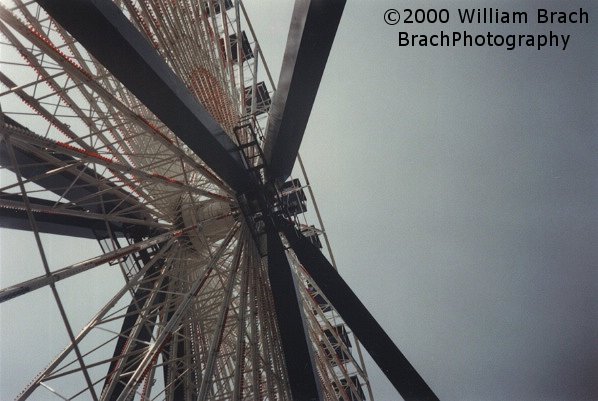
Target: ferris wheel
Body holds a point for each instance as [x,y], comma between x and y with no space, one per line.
[154,129]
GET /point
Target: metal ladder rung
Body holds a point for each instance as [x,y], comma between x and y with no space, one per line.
[247,145]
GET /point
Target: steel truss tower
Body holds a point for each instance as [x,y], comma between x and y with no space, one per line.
[155,128]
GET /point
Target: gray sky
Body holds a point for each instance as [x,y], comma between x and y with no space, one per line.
[458,187]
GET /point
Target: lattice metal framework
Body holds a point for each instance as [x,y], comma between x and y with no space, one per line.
[81,156]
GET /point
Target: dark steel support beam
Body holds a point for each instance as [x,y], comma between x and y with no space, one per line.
[138,304]
[293,329]
[49,223]
[63,219]
[179,384]
[111,38]
[313,27]
[32,165]
[385,353]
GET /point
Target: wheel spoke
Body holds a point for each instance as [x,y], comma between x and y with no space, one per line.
[69,271]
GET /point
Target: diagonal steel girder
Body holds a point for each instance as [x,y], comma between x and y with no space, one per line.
[294,337]
[48,222]
[72,221]
[385,353]
[141,301]
[111,38]
[313,27]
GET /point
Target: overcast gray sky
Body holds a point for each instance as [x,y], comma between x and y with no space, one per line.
[459,190]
